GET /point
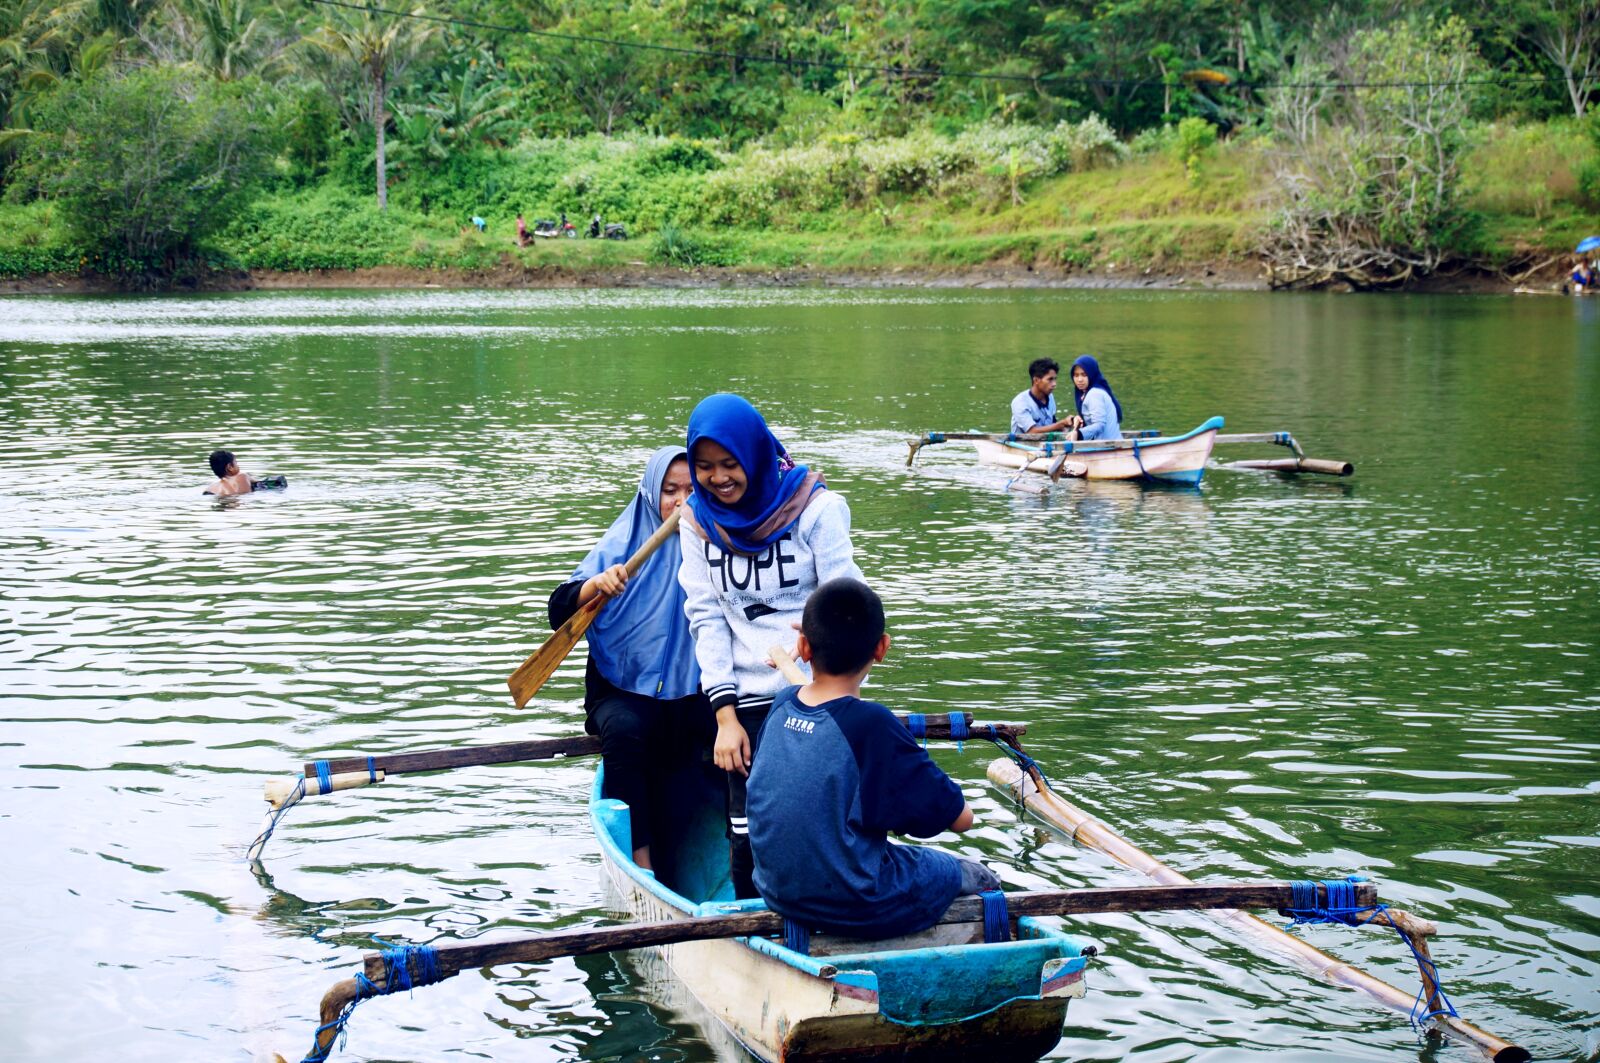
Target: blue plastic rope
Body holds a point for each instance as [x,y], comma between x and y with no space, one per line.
[324,777]
[1342,909]
[936,437]
[372,769]
[917,724]
[1143,473]
[277,816]
[1021,759]
[958,729]
[398,961]
[996,922]
[796,938]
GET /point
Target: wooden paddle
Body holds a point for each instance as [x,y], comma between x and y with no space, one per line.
[541,665]
[450,960]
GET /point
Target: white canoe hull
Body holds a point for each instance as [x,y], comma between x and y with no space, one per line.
[783,1006]
[1179,459]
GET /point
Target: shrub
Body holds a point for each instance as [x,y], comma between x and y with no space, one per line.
[144,165]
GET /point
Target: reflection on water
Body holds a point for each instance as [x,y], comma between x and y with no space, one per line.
[1268,677]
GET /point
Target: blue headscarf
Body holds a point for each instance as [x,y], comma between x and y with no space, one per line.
[1096,380]
[641,641]
[770,480]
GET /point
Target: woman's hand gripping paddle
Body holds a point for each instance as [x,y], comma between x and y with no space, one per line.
[531,675]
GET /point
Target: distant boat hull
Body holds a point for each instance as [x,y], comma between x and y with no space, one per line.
[1173,459]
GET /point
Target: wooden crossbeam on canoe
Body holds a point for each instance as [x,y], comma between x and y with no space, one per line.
[1084,829]
[446,961]
[351,773]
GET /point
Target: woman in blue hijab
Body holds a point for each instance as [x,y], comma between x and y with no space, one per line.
[1099,412]
[642,690]
[758,536]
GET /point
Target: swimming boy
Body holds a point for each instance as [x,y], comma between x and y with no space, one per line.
[230,481]
[836,776]
[1034,411]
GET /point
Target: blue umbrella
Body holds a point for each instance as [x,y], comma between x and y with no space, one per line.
[1589,243]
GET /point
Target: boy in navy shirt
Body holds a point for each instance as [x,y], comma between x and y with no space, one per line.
[836,776]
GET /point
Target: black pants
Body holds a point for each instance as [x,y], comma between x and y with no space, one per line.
[642,743]
[751,717]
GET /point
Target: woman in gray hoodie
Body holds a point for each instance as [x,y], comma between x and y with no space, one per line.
[758,535]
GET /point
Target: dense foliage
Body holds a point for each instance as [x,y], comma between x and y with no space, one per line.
[718,114]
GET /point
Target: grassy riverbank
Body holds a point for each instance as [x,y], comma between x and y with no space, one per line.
[1111,212]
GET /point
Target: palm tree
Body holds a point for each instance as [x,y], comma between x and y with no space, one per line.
[225,38]
[379,49]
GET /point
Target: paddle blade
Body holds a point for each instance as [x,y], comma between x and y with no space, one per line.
[542,664]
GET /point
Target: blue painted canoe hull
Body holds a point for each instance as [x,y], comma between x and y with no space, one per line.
[928,996]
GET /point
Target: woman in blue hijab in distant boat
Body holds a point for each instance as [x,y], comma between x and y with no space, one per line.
[1099,412]
[642,690]
[758,535]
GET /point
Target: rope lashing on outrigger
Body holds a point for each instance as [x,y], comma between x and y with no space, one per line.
[325,785]
[1013,749]
[796,938]
[399,962]
[996,922]
[1343,910]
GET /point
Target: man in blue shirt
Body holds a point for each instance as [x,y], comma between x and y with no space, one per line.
[836,776]
[1034,411]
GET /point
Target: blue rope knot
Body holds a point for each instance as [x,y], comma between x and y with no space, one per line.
[936,437]
[917,724]
[958,729]
[398,961]
[398,964]
[1017,756]
[1342,909]
[372,769]
[996,922]
[324,777]
[796,938]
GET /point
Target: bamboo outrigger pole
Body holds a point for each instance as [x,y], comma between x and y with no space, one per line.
[1032,790]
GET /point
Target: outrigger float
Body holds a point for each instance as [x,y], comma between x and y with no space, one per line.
[1140,455]
[991,979]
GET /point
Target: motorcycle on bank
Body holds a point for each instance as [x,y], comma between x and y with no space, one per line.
[599,229]
[551,229]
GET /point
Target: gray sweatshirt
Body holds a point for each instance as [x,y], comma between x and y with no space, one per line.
[740,606]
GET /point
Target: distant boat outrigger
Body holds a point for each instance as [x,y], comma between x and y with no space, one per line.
[1142,455]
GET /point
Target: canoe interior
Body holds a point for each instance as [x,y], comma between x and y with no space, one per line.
[924,989]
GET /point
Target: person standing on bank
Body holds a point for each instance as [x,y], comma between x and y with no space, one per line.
[642,689]
[1034,411]
[1099,412]
[758,536]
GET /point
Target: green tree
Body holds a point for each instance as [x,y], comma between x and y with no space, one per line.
[378,48]
[145,165]
[1371,179]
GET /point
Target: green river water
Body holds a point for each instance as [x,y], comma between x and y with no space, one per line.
[1266,678]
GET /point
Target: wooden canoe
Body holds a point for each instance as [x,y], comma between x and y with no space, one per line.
[1177,459]
[939,995]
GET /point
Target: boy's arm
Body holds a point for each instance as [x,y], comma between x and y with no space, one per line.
[830,542]
[963,822]
[902,789]
[713,639]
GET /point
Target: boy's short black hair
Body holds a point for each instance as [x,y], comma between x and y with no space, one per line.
[220,460]
[1040,366]
[843,621]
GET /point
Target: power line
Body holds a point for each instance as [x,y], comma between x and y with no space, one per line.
[927,72]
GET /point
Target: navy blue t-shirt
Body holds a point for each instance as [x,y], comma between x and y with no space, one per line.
[829,786]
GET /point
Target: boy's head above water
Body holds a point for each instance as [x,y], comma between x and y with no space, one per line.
[842,628]
[222,463]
